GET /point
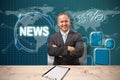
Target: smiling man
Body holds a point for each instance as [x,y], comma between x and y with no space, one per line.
[66,46]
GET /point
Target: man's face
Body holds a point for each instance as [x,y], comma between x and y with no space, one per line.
[64,23]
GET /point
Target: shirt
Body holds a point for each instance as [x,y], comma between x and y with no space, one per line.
[64,35]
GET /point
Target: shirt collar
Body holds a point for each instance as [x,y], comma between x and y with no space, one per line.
[64,33]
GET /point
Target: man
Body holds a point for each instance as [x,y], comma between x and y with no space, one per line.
[66,46]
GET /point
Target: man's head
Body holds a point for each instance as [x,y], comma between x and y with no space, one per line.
[64,22]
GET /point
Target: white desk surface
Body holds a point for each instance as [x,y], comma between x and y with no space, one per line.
[75,73]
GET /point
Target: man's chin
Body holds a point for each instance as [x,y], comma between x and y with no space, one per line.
[65,30]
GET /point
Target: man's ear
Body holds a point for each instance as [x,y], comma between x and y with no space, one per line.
[57,24]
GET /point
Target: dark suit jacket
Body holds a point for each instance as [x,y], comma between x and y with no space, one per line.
[68,58]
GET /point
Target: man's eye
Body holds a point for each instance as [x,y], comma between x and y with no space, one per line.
[66,21]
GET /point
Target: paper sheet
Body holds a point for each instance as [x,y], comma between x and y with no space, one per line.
[56,73]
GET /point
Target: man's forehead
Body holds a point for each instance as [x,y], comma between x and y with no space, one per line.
[63,15]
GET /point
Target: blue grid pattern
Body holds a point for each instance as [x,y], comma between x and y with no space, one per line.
[96,38]
[109,43]
[101,56]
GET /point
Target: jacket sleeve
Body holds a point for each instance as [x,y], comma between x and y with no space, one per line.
[79,47]
[60,50]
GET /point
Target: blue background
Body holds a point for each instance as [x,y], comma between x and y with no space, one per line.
[9,55]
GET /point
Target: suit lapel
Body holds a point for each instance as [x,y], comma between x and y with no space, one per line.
[69,37]
[60,39]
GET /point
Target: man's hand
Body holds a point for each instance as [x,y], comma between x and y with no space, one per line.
[54,45]
[70,48]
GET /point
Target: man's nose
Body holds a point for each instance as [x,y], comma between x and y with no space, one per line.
[64,23]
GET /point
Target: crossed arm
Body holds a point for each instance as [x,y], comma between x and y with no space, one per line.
[69,48]
[63,50]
